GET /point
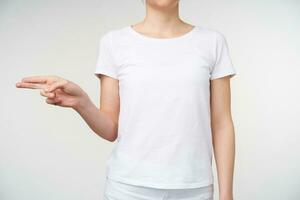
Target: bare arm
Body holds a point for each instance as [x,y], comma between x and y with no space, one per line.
[223,135]
[65,93]
[103,120]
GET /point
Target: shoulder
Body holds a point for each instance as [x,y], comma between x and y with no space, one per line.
[108,38]
[113,34]
[215,36]
[213,33]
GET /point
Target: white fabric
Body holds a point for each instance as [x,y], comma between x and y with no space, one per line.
[164,134]
[114,190]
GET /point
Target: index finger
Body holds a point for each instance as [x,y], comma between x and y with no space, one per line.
[31,85]
[35,79]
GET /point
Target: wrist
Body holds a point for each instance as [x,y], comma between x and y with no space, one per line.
[82,103]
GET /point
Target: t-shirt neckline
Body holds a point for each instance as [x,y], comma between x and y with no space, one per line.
[145,37]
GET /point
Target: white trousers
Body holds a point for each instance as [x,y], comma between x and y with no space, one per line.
[115,190]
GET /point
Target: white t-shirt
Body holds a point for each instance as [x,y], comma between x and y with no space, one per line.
[164,133]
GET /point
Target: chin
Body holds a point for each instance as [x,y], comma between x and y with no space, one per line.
[162,3]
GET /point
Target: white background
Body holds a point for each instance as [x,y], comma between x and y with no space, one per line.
[49,153]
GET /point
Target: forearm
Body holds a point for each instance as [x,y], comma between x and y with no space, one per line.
[100,122]
[224,153]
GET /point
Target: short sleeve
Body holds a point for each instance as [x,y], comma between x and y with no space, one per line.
[223,65]
[105,61]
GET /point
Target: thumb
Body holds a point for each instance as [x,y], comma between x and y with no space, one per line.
[58,84]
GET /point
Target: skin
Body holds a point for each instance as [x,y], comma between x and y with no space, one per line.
[161,21]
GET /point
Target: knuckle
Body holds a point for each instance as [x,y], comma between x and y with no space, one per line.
[64,81]
[51,95]
[54,77]
[52,86]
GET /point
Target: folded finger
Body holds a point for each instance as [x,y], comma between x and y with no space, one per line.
[47,94]
[52,101]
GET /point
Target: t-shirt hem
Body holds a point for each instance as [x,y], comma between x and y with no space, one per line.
[185,185]
[230,73]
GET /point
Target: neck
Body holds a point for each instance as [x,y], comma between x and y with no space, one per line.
[162,19]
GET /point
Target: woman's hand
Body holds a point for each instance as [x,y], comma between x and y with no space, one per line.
[58,91]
